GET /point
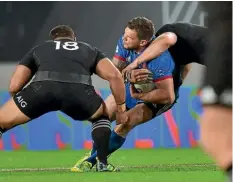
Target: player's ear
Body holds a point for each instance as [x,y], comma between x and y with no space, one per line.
[143,43]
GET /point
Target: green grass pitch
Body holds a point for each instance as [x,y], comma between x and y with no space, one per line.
[137,165]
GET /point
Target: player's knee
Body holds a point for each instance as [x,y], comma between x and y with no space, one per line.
[170,37]
[112,117]
[129,126]
[4,122]
[123,130]
[170,99]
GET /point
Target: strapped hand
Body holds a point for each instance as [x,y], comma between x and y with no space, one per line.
[130,67]
[139,75]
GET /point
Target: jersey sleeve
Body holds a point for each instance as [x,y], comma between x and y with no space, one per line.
[99,56]
[120,52]
[29,61]
[162,67]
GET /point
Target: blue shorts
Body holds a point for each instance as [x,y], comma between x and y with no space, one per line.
[130,102]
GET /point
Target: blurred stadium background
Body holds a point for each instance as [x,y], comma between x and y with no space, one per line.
[45,148]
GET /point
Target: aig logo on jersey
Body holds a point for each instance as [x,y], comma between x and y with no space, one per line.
[22,103]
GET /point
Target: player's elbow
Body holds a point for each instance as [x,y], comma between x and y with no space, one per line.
[170,99]
[170,38]
[116,75]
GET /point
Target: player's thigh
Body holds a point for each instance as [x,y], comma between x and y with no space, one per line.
[81,102]
[137,115]
[11,115]
[141,113]
[37,99]
[111,103]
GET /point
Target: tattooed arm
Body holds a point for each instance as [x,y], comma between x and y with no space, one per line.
[120,64]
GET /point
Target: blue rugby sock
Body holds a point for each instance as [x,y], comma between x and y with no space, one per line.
[93,150]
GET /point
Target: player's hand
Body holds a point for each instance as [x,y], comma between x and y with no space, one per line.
[134,93]
[121,118]
[130,67]
[139,75]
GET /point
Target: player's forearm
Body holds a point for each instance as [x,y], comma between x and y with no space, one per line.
[157,47]
[154,50]
[157,96]
[117,87]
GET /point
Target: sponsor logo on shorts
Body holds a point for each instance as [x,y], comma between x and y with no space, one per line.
[21,101]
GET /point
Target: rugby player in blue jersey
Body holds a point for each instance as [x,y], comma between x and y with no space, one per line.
[142,107]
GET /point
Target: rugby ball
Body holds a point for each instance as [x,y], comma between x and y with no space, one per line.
[144,87]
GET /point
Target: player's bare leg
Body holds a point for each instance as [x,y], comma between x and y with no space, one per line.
[216,134]
[11,116]
[137,115]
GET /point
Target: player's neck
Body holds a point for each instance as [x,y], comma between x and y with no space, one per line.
[139,50]
[64,38]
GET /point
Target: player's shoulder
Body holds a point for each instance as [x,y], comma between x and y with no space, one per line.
[35,47]
[86,45]
[173,27]
[186,26]
[164,60]
[120,40]
[166,54]
[43,44]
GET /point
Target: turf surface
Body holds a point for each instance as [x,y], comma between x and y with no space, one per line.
[162,165]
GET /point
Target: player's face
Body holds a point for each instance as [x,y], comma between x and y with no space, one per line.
[130,39]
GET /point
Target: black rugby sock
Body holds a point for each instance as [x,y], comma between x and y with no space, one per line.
[101,131]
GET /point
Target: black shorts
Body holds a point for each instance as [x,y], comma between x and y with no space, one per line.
[78,101]
[158,109]
[217,88]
